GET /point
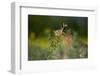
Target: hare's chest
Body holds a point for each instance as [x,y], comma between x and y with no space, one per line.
[66,40]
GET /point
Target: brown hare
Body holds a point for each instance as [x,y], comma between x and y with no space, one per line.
[66,40]
[65,37]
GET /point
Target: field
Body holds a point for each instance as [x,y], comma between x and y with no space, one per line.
[57,37]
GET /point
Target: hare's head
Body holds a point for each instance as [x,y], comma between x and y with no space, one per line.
[59,32]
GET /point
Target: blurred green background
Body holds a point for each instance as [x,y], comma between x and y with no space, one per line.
[40,29]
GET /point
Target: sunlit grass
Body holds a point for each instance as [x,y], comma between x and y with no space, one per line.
[40,42]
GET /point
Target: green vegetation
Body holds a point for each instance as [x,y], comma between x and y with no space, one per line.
[46,40]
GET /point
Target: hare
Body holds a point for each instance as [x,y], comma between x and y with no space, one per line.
[66,37]
[60,32]
[66,40]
